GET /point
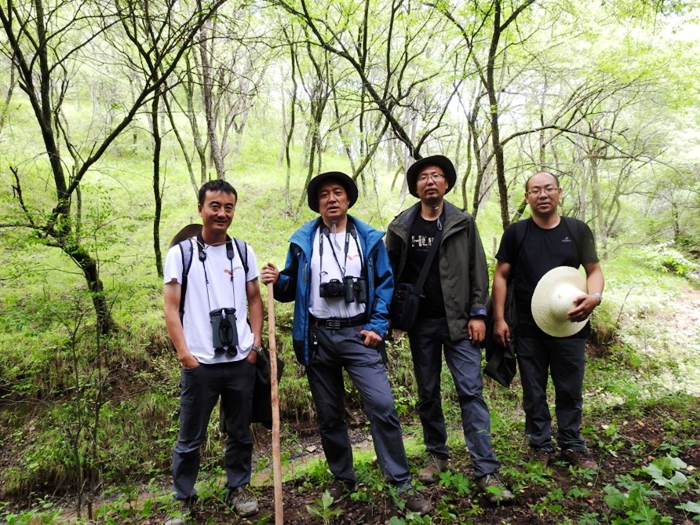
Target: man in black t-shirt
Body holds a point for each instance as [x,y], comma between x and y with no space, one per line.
[528,250]
[451,317]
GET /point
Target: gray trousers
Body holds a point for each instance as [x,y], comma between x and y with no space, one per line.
[200,389]
[565,360]
[344,348]
[427,340]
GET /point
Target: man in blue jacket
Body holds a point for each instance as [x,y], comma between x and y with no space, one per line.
[338,275]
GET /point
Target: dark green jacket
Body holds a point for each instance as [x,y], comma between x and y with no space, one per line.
[463,272]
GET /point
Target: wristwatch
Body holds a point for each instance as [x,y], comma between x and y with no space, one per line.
[600,297]
[257,349]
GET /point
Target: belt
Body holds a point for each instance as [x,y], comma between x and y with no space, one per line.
[335,323]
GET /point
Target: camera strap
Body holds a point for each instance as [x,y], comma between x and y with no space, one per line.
[350,230]
[202,251]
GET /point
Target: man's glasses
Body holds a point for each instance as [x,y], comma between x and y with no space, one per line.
[548,190]
[423,177]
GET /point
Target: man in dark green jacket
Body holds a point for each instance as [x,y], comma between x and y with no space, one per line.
[451,317]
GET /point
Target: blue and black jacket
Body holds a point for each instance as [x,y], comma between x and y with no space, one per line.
[293,282]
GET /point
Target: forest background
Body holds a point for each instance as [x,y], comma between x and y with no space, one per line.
[114,112]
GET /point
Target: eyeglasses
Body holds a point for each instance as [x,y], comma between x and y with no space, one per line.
[423,177]
[548,190]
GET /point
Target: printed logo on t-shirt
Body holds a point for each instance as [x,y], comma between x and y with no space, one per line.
[229,272]
[421,241]
[566,239]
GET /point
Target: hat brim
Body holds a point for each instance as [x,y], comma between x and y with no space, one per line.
[189,231]
[338,176]
[554,297]
[441,162]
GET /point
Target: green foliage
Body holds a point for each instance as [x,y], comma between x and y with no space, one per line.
[634,504]
[457,482]
[635,501]
[323,508]
[664,258]
[666,472]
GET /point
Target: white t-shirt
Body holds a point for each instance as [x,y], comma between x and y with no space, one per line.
[223,293]
[326,307]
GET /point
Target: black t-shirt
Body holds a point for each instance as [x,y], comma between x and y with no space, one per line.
[421,239]
[570,243]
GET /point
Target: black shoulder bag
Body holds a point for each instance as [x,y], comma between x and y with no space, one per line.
[407,297]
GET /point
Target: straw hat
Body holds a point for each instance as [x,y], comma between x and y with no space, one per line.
[554,297]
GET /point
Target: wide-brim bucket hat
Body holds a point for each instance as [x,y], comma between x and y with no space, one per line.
[554,297]
[337,176]
[441,162]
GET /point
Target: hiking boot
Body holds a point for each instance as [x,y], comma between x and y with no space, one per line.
[578,458]
[414,502]
[431,473]
[185,509]
[243,501]
[493,488]
[340,487]
[542,456]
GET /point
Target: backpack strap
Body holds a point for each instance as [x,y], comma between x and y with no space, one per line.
[242,248]
[521,228]
[186,252]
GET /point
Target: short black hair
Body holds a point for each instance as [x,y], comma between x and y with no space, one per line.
[527,182]
[216,185]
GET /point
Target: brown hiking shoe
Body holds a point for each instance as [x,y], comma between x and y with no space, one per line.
[543,456]
[493,488]
[578,458]
[417,503]
[431,473]
[340,487]
[243,501]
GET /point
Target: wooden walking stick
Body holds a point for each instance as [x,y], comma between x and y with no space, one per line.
[276,463]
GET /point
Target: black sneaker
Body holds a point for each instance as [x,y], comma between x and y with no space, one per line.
[340,487]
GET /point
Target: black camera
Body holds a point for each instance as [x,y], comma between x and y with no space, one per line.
[333,288]
[351,289]
[224,332]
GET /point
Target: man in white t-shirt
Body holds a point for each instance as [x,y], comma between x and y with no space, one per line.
[217,333]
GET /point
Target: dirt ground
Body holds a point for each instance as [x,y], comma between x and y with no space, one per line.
[635,445]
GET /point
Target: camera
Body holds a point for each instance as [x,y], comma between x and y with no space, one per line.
[224,332]
[333,288]
[351,289]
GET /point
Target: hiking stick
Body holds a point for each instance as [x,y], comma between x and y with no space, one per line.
[276,463]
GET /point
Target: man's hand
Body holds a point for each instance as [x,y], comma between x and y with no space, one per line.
[477,330]
[584,306]
[501,332]
[372,339]
[269,274]
[252,357]
[188,361]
